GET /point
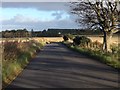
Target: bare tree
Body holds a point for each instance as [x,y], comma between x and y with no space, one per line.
[104,14]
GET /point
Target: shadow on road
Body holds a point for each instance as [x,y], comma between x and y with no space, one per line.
[58,67]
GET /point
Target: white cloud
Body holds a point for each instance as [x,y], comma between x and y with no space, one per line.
[24,19]
[20,21]
[60,20]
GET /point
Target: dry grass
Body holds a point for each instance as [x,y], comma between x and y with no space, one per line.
[40,39]
[114,40]
[16,56]
[49,39]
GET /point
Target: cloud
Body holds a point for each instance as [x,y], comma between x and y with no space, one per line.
[43,6]
[42,25]
[24,19]
[20,21]
[58,15]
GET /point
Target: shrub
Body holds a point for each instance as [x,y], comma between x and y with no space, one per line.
[114,48]
[82,41]
[65,37]
[70,36]
[76,40]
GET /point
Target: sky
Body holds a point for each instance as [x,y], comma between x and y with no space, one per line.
[36,15]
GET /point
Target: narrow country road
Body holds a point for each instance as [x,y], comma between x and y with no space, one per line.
[58,67]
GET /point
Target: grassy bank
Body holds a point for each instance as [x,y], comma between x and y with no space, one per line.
[16,55]
[110,59]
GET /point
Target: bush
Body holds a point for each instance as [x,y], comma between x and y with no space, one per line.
[70,36]
[65,37]
[76,40]
[114,48]
[82,41]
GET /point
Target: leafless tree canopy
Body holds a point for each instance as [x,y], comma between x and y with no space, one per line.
[103,14]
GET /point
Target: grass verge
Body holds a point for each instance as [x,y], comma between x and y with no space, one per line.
[106,58]
[16,58]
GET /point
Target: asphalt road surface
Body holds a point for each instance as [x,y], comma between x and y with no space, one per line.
[58,67]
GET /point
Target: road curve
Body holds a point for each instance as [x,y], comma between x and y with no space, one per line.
[58,67]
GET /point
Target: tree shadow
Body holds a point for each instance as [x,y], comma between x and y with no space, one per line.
[58,67]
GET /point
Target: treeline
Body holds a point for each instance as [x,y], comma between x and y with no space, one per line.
[61,32]
[15,33]
[48,33]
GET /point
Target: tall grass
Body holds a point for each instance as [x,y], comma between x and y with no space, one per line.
[16,55]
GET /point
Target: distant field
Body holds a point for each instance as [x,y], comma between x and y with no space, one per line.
[49,39]
[40,39]
[114,39]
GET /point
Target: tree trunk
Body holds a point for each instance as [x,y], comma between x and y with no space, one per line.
[107,41]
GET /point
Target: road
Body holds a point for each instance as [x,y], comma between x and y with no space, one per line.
[58,67]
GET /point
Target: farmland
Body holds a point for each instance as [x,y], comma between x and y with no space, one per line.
[49,39]
[114,40]
[41,39]
[99,38]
